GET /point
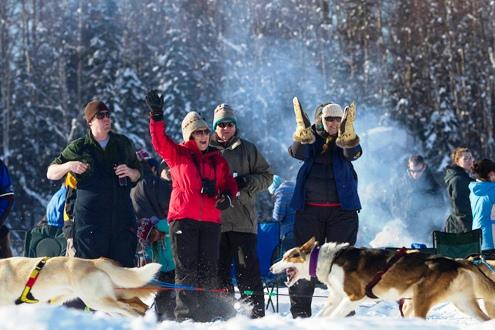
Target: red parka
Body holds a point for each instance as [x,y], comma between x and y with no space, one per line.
[186,201]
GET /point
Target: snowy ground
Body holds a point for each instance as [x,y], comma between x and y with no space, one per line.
[377,316]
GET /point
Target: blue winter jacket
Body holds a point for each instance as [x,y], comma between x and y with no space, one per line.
[282,212]
[6,193]
[55,208]
[482,199]
[345,176]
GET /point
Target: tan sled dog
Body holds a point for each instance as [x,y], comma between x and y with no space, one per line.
[426,280]
[100,283]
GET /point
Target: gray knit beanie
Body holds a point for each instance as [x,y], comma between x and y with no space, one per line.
[192,122]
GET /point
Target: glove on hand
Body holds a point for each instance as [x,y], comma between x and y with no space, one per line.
[347,137]
[304,133]
[223,202]
[155,103]
[242,182]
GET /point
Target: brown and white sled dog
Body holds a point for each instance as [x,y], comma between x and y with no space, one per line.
[100,283]
[425,280]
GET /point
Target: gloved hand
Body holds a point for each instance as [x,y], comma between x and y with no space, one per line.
[242,181]
[347,137]
[156,235]
[304,133]
[224,202]
[70,251]
[155,103]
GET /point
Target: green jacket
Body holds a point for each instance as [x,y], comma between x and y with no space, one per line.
[99,195]
[245,160]
[118,150]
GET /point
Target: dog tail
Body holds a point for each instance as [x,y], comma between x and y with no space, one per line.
[128,277]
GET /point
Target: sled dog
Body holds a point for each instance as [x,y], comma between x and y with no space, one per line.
[100,283]
[425,280]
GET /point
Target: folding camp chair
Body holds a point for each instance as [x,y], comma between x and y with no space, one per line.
[45,241]
[457,245]
[268,249]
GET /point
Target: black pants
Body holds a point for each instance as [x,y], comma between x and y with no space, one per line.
[327,224]
[240,248]
[165,299]
[195,246]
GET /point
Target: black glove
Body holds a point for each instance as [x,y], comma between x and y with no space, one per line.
[242,182]
[155,103]
[223,202]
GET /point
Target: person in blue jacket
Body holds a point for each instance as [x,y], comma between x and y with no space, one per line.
[482,199]
[6,203]
[282,191]
[325,197]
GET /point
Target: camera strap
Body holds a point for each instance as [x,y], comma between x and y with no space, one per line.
[196,162]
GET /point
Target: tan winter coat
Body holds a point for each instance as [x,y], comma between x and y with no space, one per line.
[244,159]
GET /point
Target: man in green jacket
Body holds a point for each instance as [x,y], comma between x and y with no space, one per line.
[239,224]
[106,167]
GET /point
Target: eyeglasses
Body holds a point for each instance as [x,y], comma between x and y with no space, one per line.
[415,171]
[201,132]
[102,114]
[226,124]
[330,119]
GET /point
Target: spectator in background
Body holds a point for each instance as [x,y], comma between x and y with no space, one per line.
[105,166]
[6,203]
[482,199]
[203,186]
[417,200]
[457,178]
[150,198]
[325,197]
[239,224]
[282,192]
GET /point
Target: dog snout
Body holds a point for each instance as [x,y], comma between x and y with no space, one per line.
[274,269]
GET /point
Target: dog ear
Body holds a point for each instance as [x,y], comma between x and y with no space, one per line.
[309,245]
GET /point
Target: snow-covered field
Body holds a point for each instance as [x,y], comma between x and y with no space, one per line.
[375,316]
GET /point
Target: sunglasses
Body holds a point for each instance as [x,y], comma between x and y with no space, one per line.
[102,114]
[201,132]
[330,119]
[226,124]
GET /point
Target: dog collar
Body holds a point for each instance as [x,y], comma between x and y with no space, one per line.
[313,261]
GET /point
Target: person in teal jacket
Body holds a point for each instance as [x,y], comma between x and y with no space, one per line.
[150,199]
[482,199]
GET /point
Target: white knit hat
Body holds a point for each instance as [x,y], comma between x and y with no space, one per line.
[332,110]
[192,122]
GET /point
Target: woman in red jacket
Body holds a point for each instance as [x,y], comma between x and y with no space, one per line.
[202,186]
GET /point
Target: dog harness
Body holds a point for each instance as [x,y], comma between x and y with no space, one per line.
[313,261]
[378,276]
[478,260]
[26,296]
